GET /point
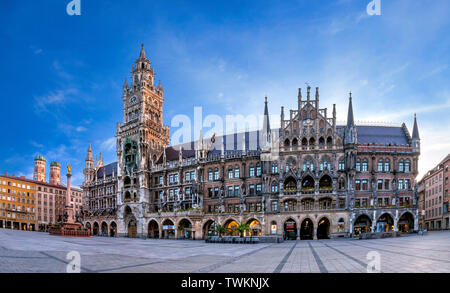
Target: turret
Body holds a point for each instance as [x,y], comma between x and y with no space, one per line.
[55,173]
[89,170]
[39,168]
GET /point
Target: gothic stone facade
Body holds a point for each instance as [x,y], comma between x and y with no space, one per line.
[309,179]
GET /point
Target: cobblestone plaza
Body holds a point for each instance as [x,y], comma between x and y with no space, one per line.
[33,252]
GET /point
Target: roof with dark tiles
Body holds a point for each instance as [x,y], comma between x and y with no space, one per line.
[108,169]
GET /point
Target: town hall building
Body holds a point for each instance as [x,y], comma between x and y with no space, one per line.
[309,179]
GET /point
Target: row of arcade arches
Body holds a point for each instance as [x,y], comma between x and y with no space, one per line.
[308,183]
[102,228]
[290,231]
[384,223]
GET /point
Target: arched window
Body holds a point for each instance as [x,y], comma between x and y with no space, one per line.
[358,165]
[329,141]
[341,184]
[290,184]
[304,142]
[401,166]
[341,165]
[252,171]
[216,174]
[290,164]
[325,164]
[295,142]
[236,171]
[258,169]
[365,165]
[274,186]
[308,183]
[308,164]
[387,165]
[380,165]
[286,142]
[407,166]
[274,168]
[230,172]
[312,142]
[210,174]
[321,141]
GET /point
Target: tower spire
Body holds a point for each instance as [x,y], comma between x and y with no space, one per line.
[350,119]
[142,53]
[415,134]
[266,125]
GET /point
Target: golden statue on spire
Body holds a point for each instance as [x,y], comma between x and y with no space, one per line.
[69,168]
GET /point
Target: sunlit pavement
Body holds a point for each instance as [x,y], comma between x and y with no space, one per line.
[39,252]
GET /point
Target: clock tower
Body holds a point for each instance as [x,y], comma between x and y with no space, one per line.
[141,138]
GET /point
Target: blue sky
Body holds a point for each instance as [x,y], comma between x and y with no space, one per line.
[61,76]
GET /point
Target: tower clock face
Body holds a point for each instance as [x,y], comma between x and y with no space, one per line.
[133,99]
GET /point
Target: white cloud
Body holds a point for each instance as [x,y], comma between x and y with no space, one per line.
[53,98]
[109,144]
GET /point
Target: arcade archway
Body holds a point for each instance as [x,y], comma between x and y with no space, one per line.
[113,229]
[153,229]
[95,229]
[168,229]
[255,228]
[385,223]
[406,223]
[290,230]
[307,230]
[185,230]
[363,224]
[230,228]
[208,229]
[323,229]
[104,230]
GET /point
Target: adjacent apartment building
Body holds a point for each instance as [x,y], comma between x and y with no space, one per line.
[435,186]
[17,203]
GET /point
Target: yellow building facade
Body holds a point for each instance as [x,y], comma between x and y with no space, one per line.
[17,203]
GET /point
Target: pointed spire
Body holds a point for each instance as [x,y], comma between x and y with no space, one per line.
[142,53]
[415,134]
[89,153]
[266,122]
[350,119]
[125,84]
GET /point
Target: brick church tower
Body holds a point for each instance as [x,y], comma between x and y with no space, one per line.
[141,138]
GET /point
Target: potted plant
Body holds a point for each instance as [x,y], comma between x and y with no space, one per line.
[220,230]
[241,228]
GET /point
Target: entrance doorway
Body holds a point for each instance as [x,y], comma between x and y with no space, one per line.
[323,229]
[132,229]
[307,230]
[290,230]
